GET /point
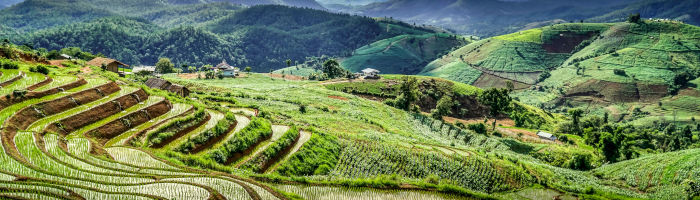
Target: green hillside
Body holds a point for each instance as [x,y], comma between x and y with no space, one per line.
[211,36]
[670,175]
[79,132]
[652,53]
[405,54]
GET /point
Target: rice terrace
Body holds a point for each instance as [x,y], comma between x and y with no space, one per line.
[337,100]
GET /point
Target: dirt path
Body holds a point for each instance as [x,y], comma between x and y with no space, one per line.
[303,138]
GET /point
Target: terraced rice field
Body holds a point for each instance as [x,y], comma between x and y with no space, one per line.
[328,193]
[74,166]
[57,82]
[28,79]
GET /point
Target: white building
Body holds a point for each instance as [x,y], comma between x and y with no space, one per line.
[545,135]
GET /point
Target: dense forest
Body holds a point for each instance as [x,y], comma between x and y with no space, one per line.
[262,37]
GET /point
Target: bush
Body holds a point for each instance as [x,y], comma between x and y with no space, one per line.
[39,69]
[544,75]
[432,179]
[9,65]
[479,128]
[634,18]
[619,72]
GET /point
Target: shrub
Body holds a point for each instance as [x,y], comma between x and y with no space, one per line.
[544,75]
[634,18]
[39,69]
[9,65]
[302,108]
[479,128]
[432,179]
[619,72]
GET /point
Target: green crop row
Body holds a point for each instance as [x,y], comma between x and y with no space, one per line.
[258,163]
[221,128]
[169,130]
[318,156]
[258,129]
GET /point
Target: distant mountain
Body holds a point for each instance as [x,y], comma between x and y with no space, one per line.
[39,14]
[489,17]
[8,3]
[262,37]
[684,10]
[611,62]
[294,3]
[349,2]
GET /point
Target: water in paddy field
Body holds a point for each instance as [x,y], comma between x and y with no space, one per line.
[345,193]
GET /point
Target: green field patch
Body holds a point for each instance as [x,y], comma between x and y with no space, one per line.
[41,124]
[176,110]
[329,192]
[143,104]
[456,71]
[57,82]
[532,35]
[136,157]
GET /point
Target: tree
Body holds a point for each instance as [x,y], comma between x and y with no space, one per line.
[443,108]
[247,69]
[609,147]
[576,115]
[333,70]
[289,63]
[408,93]
[510,86]
[634,18]
[605,117]
[498,101]
[164,66]
[191,69]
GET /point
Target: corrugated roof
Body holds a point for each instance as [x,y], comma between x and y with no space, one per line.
[544,134]
[157,83]
[98,61]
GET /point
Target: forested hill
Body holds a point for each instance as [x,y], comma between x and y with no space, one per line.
[8,3]
[262,37]
[491,18]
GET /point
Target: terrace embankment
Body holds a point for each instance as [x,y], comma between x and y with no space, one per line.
[144,131]
[46,81]
[8,100]
[214,140]
[183,132]
[12,80]
[235,156]
[619,92]
[97,113]
[28,115]
[112,129]
[276,158]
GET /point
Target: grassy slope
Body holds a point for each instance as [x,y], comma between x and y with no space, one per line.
[666,173]
[405,54]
